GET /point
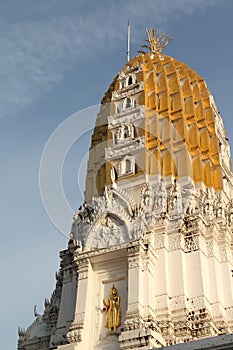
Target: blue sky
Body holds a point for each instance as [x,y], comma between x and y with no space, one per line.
[57,58]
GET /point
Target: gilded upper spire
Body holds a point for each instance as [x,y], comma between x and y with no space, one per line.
[157,118]
[156,43]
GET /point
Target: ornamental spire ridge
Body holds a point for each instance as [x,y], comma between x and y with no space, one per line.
[156,43]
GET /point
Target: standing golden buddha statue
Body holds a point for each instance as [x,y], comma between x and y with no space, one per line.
[113,310]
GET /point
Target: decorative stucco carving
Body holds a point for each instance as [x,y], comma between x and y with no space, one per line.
[128,91]
[159,241]
[123,148]
[160,201]
[174,242]
[223,253]
[210,248]
[114,218]
[130,115]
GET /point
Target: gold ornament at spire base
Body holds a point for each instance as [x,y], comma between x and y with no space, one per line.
[156,43]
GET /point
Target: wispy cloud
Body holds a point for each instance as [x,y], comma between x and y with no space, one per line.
[36,54]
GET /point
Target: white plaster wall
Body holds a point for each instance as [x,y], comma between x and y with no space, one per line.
[150,283]
[175,273]
[89,310]
[205,275]
[219,285]
[161,281]
[226,281]
[161,277]
[193,274]
[212,280]
[133,288]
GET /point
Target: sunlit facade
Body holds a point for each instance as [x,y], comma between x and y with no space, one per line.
[149,261]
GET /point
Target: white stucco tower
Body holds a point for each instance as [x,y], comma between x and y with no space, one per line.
[156,224]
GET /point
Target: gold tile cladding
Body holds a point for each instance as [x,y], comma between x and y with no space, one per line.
[179,124]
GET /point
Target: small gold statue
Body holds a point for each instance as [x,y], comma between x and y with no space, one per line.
[113,310]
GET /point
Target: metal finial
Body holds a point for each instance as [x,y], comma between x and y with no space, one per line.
[156,43]
[128,43]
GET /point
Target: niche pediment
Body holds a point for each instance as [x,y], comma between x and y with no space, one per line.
[107,231]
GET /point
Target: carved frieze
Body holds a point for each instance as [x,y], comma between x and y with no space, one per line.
[210,248]
[159,241]
[223,253]
[180,329]
[133,262]
[74,336]
[166,327]
[199,323]
[113,218]
[134,250]
[160,198]
[191,242]
[132,323]
[129,115]
[128,91]
[174,242]
[197,303]
[125,147]
[178,302]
